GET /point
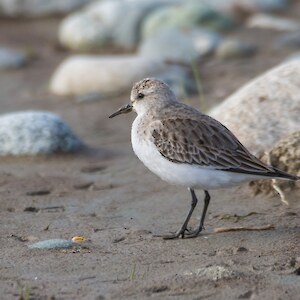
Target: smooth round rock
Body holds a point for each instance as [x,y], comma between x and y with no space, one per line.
[178,45]
[230,49]
[35,132]
[38,8]
[264,110]
[186,15]
[265,21]
[52,244]
[106,75]
[103,24]
[11,59]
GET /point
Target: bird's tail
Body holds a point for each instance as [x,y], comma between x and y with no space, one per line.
[283,175]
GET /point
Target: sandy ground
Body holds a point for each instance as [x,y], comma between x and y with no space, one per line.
[108,196]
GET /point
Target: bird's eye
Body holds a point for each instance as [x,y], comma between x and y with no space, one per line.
[140,95]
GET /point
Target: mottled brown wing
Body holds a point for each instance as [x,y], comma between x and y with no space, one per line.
[204,142]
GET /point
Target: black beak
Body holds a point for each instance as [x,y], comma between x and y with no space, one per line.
[123,110]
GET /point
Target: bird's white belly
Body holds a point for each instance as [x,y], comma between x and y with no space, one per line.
[187,175]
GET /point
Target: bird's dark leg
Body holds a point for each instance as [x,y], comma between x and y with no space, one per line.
[201,225]
[183,229]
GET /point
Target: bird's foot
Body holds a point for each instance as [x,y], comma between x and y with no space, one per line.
[194,233]
[181,233]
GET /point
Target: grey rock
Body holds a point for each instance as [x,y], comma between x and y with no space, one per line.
[11,59]
[38,8]
[265,21]
[214,273]
[33,132]
[104,75]
[103,23]
[266,109]
[52,244]
[188,14]
[178,45]
[179,81]
[229,49]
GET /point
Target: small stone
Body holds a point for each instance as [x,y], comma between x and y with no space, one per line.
[11,59]
[214,273]
[265,21]
[52,244]
[230,49]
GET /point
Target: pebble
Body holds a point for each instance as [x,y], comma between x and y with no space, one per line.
[230,49]
[214,273]
[265,21]
[53,244]
[35,132]
[11,59]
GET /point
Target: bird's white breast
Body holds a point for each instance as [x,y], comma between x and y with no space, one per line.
[187,175]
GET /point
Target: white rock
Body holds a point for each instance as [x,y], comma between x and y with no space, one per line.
[11,59]
[107,22]
[213,273]
[80,32]
[187,14]
[107,75]
[272,22]
[174,44]
[35,132]
[232,48]
[38,8]
[266,109]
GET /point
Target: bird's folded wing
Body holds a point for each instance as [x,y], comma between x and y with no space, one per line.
[204,142]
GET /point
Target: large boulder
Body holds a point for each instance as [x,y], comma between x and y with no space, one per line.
[38,8]
[105,23]
[35,132]
[266,109]
[178,45]
[106,75]
[186,15]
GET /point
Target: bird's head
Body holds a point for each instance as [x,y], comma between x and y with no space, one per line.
[147,94]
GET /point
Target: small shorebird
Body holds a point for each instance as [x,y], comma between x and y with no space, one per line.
[186,147]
